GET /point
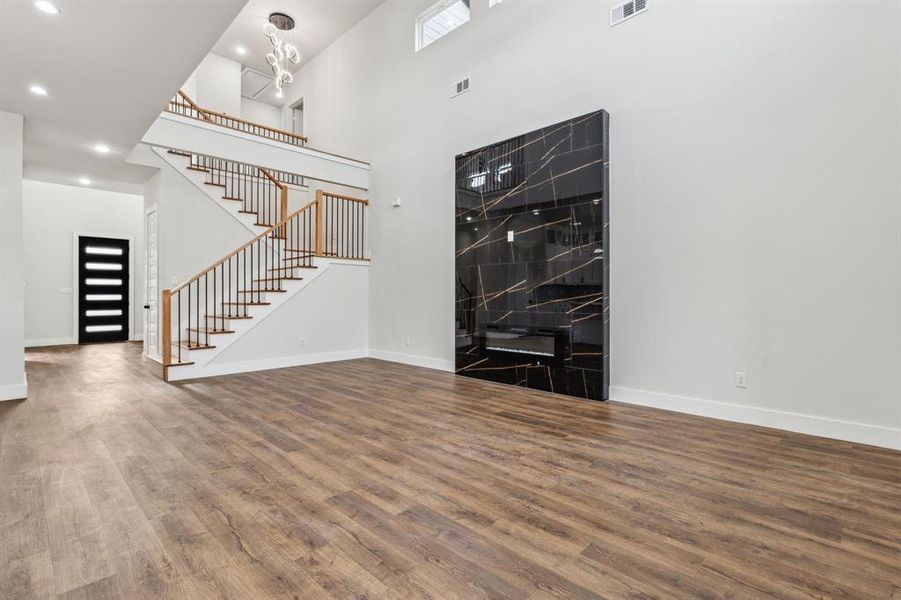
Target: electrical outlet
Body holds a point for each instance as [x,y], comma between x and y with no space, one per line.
[406,341]
[741,379]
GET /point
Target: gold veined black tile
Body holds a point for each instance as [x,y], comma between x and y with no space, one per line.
[531,259]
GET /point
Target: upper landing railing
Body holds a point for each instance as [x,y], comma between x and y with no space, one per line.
[183,105]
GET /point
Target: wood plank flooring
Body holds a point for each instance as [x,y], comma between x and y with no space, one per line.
[368,479]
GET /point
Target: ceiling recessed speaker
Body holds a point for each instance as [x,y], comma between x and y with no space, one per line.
[281,21]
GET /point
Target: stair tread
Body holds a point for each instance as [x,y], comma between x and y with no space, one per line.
[292,268]
[232,198]
[246,303]
[207,330]
[181,364]
[262,291]
[279,279]
[201,169]
[227,317]
[179,152]
[216,184]
[192,346]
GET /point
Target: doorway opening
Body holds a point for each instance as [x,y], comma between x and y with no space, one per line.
[103,274]
[297,117]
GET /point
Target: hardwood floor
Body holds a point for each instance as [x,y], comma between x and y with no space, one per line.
[371,479]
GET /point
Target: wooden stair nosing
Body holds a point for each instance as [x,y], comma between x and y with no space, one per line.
[208,331]
[180,364]
[187,345]
[245,303]
[279,279]
[262,291]
[227,317]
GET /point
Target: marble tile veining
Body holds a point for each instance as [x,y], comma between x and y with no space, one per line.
[532,293]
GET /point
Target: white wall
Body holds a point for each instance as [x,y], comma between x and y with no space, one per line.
[53,215]
[216,84]
[12,353]
[755,218]
[326,320]
[260,112]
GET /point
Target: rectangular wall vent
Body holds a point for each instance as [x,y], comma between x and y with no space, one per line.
[627,10]
[459,87]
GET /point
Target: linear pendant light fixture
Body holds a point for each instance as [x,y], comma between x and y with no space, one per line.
[282,53]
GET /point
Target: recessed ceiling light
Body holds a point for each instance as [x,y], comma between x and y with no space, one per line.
[241,50]
[469,218]
[38,90]
[47,7]
[84,181]
[101,148]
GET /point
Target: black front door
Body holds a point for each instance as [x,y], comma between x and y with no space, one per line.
[102,290]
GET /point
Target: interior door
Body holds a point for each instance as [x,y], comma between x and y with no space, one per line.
[151,341]
[102,289]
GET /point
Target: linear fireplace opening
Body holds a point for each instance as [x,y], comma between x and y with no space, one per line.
[544,345]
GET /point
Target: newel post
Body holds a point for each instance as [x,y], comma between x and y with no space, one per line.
[319,229]
[166,326]
[283,197]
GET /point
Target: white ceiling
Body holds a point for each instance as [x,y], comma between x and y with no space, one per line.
[317,24]
[109,68]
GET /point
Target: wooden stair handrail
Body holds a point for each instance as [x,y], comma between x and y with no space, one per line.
[348,198]
[206,113]
[269,231]
[193,105]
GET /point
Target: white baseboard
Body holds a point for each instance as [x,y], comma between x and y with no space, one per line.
[14,392]
[281,362]
[862,433]
[413,359]
[62,341]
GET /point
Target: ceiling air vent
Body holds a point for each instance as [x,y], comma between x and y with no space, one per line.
[459,87]
[626,10]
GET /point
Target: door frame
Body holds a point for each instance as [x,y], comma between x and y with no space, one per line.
[76,283]
[147,211]
[299,102]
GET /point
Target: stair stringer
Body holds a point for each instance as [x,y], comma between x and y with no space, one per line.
[221,360]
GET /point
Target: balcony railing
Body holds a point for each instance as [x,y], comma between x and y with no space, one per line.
[183,105]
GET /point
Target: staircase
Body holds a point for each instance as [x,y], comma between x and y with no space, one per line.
[254,196]
[207,313]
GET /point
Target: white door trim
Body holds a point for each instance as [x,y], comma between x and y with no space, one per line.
[147,213]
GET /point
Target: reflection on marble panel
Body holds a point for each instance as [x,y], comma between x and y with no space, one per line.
[531,254]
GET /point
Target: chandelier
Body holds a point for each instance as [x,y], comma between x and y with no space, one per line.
[282,53]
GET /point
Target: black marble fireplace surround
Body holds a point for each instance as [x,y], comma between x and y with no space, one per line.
[531,256]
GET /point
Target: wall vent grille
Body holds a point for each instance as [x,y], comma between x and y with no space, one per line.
[459,87]
[627,10]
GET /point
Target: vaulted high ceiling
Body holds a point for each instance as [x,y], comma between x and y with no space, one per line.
[317,24]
